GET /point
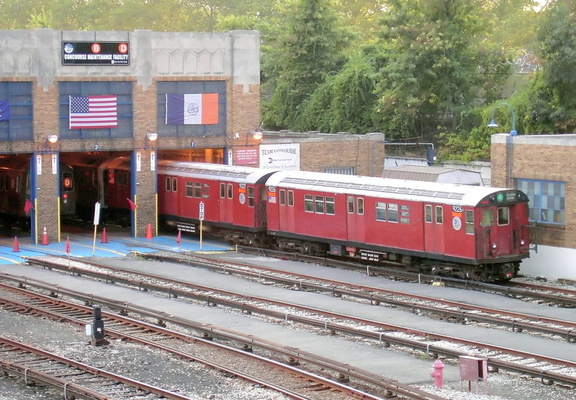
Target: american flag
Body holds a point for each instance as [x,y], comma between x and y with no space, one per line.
[93,112]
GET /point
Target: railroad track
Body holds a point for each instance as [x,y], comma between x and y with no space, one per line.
[529,292]
[74,379]
[333,322]
[294,382]
[445,309]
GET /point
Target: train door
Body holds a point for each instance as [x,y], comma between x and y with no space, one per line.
[226,208]
[355,219]
[497,231]
[286,210]
[433,228]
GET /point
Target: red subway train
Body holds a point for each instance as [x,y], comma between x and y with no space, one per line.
[472,232]
[15,191]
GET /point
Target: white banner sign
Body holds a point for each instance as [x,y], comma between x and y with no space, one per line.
[280,156]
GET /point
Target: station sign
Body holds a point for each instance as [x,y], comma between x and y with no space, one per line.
[95,53]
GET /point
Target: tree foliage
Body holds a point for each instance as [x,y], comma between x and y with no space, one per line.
[428,70]
[309,50]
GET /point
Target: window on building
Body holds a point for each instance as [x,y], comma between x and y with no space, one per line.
[16,97]
[469,222]
[191,130]
[308,203]
[124,108]
[546,200]
[341,170]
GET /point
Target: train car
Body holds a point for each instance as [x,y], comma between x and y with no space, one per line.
[231,199]
[15,190]
[471,232]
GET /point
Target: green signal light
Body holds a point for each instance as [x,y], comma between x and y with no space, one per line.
[500,197]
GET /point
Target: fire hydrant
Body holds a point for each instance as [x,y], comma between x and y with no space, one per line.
[438,373]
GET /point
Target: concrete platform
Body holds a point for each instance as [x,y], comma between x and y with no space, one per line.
[117,245]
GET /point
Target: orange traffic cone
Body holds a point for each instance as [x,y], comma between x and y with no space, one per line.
[149,231]
[44,237]
[67,244]
[104,236]
[16,248]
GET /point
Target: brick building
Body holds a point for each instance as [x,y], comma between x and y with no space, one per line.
[543,167]
[46,74]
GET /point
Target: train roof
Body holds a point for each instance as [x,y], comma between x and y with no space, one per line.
[199,170]
[398,189]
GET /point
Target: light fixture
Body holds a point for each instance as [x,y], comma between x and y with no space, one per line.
[256,135]
[52,139]
[493,123]
[152,136]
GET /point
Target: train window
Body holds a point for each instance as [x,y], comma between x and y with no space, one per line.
[470,222]
[17,187]
[198,190]
[380,211]
[222,190]
[503,215]
[251,196]
[189,189]
[330,206]
[230,191]
[168,184]
[487,217]
[392,212]
[350,205]
[360,206]
[291,198]
[308,203]
[174,184]
[319,202]
[282,197]
[439,215]
[428,213]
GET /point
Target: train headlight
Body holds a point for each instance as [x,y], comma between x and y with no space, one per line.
[522,242]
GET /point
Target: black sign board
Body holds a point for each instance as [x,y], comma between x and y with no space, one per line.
[95,53]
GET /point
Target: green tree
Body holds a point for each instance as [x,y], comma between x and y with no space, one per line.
[300,60]
[552,99]
[432,74]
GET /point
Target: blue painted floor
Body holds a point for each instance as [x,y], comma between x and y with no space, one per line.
[14,251]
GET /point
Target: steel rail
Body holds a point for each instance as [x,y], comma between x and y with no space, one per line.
[327,325]
[13,347]
[517,322]
[392,387]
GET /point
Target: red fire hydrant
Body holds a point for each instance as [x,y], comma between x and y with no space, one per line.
[438,373]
